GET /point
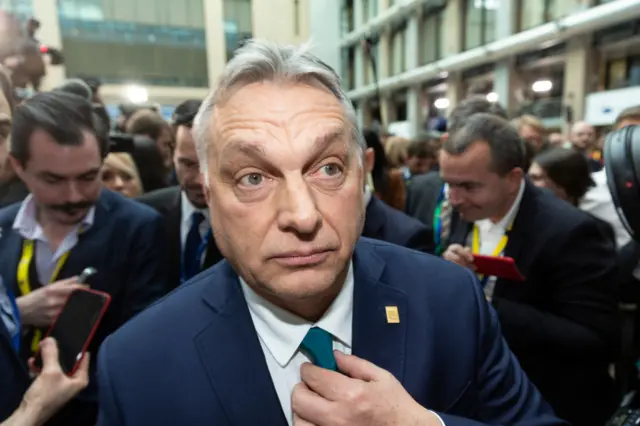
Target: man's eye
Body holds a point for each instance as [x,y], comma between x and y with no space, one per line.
[252,179]
[331,169]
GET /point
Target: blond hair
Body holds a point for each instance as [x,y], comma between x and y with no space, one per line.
[123,163]
[396,149]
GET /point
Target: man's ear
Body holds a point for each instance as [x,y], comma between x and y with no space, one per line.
[17,167]
[515,176]
[369,160]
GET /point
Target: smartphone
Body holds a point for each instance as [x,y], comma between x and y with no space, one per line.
[75,326]
[500,267]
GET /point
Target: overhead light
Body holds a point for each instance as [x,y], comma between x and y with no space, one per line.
[492,97]
[541,86]
[486,4]
[441,103]
[136,94]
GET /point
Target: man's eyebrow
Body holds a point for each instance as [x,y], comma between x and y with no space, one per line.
[254,150]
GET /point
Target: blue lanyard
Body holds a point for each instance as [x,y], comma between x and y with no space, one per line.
[437,223]
[201,249]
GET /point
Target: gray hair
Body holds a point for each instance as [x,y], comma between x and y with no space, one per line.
[260,60]
[506,146]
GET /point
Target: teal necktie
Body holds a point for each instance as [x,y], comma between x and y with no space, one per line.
[318,344]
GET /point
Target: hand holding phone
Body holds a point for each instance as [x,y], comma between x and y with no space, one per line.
[75,326]
[41,307]
[500,267]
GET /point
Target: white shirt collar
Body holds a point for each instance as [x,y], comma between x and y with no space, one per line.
[189,209]
[282,332]
[28,227]
[367,195]
[508,219]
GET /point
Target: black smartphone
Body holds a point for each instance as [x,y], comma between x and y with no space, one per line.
[75,326]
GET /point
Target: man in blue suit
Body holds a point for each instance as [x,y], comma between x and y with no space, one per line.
[302,324]
[69,223]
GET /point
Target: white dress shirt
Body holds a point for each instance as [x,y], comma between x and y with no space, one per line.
[491,233]
[598,202]
[280,333]
[188,210]
[28,227]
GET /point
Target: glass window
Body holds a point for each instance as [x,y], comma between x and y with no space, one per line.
[370,9]
[634,71]
[431,38]
[532,13]
[120,41]
[348,68]
[398,56]
[23,9]
[348,16]
[480,18]
[560,8]
[617,74]
[238,25]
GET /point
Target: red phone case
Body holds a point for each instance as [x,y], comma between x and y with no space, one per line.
[107,299]
[500,267]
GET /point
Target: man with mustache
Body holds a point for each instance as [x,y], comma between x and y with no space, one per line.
[262,337]
[69,223]
[184,208]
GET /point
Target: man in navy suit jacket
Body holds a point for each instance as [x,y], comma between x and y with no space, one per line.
[301,324]
[71,223]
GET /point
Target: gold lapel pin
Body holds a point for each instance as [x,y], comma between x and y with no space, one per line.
[393,317]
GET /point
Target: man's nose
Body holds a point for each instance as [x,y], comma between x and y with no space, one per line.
[298,209]
[74,192]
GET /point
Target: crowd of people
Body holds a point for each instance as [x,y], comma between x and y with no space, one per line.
[261,229]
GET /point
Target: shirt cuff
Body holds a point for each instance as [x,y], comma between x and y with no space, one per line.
[439,418]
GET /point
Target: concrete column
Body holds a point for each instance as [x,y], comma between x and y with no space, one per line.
[411,40]
[358,14]
[387,110]
[579,72]
[384,55]
[360,65]
[46,11]
[216,44]
[455,90]
[503,80]
[414,110]
[325,28]
[453,27]
[360,113]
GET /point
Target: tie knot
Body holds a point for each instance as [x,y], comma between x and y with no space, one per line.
[196,219]
[318,344]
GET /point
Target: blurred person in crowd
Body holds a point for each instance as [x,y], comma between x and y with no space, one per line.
[561,321]
[583,139]
[382,221]
[281,157]
[120,174]
[532,130]
[396,149]
[558,140]
[20,53]
[421,156]
[565,172]
[427,198]
[184,208]
[12,189]
[151,124]
[150,163]
[388,183]
[69,223]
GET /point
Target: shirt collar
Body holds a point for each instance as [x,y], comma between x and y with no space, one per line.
[508,219]
[28,227]
[189,209]
[282,332]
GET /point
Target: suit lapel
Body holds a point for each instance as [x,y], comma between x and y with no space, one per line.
[375,338]
[174,245]
[232,356]
[11,249]
[459,230]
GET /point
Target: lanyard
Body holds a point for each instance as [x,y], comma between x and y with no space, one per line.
[201,249]
[28,247]
[437,223]
[475,248]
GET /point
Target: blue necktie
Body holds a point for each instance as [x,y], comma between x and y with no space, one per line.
[190,261]
[318,344]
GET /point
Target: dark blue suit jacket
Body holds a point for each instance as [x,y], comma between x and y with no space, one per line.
[383,222]
[126,246]
[194,359]
[14,376]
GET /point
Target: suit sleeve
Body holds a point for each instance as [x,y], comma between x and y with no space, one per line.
[108,414]
[505,395]
[580,319]
[146,277]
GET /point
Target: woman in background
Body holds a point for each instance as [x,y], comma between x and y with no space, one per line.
[120,174]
